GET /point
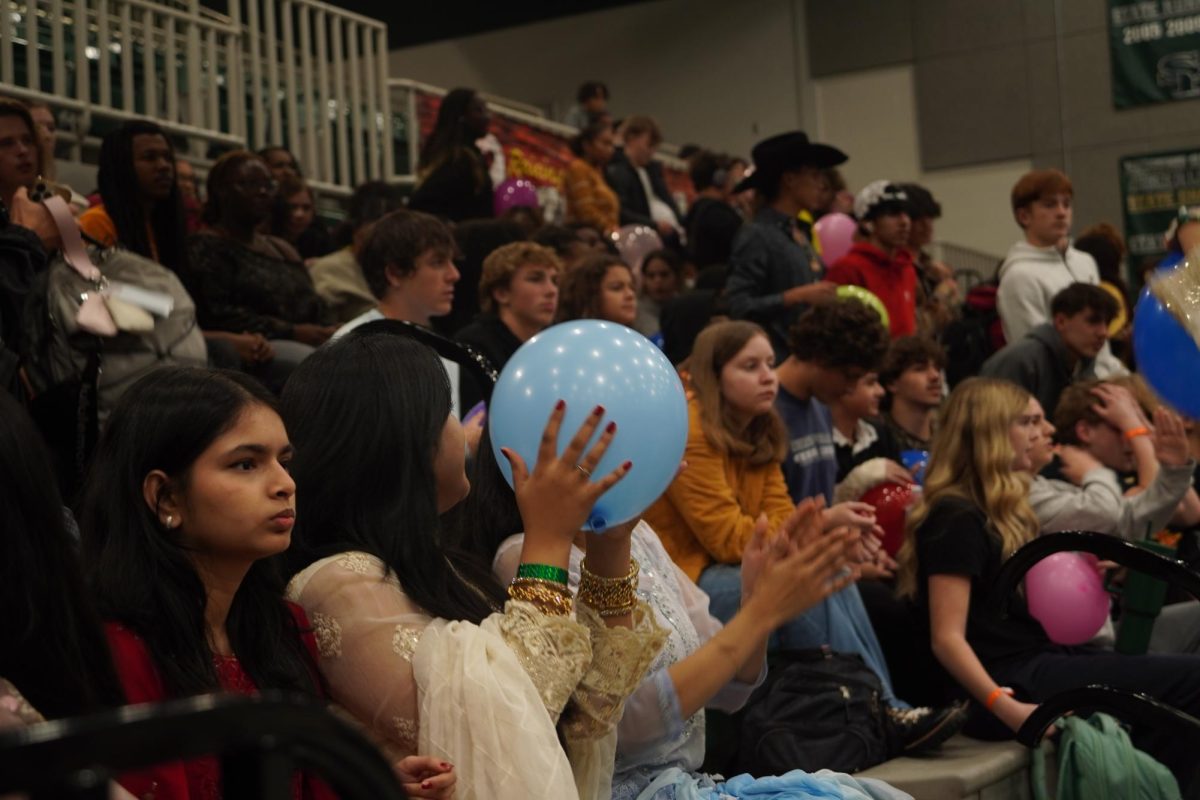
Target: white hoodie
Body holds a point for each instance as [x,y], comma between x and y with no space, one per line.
[1030,277]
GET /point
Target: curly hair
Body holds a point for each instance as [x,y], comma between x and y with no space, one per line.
[579,291]
[972,459]
[907,352]
[844,335]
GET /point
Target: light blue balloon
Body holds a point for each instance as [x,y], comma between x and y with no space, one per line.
[589,363]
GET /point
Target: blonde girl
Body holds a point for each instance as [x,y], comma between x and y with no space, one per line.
[974,515]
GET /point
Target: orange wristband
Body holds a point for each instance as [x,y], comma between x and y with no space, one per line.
[1133,433]
[995,695]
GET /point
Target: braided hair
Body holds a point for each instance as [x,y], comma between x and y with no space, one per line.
[119,189]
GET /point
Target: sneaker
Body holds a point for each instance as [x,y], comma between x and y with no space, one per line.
[918,730]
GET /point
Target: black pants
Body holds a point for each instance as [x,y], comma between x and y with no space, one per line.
[1172,679]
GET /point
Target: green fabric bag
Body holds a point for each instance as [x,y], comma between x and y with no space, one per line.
[1096,761]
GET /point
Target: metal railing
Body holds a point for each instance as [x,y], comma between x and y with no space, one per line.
[261,742]
[302,74]
[122,59]
[318,85]
[967,259]
[298,73]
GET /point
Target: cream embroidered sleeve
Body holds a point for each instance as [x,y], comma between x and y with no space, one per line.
[366,631]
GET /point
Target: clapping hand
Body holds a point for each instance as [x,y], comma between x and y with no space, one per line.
[802,564]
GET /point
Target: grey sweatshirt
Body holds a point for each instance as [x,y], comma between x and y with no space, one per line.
[1099,505]
[1030,277]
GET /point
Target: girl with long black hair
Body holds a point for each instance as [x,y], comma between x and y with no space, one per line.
[452,175]
[52,645]
[417,640]
[188,496]
[142,208]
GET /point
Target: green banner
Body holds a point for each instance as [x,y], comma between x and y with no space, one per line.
[1155,50]
[1153,187]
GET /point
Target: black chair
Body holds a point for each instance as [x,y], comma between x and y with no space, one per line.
[1103,545]
[261,743]
[1125,705]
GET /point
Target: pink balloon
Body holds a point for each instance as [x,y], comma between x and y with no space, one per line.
[1066,594]
[837,235]
[513,193]
[634,243]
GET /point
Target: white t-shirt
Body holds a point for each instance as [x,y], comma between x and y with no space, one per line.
[451,366]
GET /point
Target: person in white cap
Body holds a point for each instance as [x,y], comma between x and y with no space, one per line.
[881,262]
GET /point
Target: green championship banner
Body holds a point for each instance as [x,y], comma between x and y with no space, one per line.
[1155,50]
[1153,187]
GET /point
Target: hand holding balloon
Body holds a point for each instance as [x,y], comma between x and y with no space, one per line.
[891,501]
[590,363]
[1066,594]
[557,497]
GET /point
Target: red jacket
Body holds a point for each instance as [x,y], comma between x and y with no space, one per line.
[893,280]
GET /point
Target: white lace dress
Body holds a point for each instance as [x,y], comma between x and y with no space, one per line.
[658,752]
[487,697]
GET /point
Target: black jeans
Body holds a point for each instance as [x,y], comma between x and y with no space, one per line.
[1172,679]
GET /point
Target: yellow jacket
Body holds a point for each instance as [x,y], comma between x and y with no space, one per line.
[708,512]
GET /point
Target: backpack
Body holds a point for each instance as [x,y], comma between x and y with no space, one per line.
[76,376]
[816,710]
[1096,761]
[975,335]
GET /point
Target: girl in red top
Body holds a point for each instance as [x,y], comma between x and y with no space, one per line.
[188,497]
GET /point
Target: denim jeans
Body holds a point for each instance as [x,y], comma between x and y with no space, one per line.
[840,621]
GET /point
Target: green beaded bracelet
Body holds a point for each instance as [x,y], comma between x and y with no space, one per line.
[545,572]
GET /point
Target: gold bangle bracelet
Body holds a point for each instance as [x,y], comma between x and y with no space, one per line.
[586,574]
[618,611]
[554,600]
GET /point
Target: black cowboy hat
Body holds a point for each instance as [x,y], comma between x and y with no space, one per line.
[787,151]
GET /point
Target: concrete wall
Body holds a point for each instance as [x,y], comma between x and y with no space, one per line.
[963,95]
[710,70]
[1006,80]
[974,198]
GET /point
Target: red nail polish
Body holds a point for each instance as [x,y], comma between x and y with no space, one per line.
[560,405]
[597,411]
[628,465]
[610,427]
[426,785]
[445,765]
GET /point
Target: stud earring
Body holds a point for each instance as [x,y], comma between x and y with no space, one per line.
[170,521]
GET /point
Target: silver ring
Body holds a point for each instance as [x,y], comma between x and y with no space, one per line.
[584,470]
